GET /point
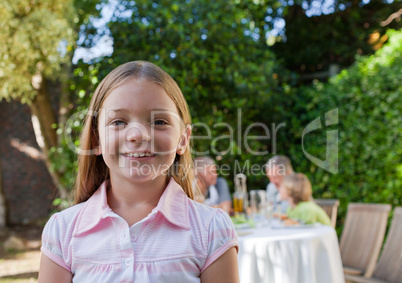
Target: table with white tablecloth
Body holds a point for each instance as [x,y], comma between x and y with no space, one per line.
[289,255]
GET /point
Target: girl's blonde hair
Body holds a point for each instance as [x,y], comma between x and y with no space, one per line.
[298,187]
[92,170]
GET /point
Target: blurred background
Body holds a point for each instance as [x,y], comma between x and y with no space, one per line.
[278,63]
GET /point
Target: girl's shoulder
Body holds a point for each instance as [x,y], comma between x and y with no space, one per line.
[65,218]
[217,227]
[202,209]
[59,229]
[71,212]
[206,216]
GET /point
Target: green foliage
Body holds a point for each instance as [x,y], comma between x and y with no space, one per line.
[37,38]
[368,96]
[334,38]
[64,157]
[32,33]
[61,203]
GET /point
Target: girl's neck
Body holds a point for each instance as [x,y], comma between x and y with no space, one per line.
[125,194]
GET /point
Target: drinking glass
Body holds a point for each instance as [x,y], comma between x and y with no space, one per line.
[269,211]
[258,204]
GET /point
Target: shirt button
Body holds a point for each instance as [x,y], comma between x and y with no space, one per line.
[134,237]
[127,261]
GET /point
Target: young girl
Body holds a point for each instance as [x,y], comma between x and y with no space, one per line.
[135,220]
[296,189]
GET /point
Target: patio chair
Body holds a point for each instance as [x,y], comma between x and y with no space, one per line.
[330,206]
[389,267]
[362,237]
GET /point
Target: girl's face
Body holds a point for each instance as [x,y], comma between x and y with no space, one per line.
[140,131]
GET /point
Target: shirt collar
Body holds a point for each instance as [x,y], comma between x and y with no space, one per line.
[93,210]
[173,205]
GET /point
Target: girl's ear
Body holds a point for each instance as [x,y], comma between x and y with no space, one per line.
[98,150]
[184,141]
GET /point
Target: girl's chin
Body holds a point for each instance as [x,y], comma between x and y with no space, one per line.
[146,176]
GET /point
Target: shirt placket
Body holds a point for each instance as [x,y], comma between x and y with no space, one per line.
[135,232]
[127,253]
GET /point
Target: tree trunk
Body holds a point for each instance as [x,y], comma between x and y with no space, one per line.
[3,208]
[43,118]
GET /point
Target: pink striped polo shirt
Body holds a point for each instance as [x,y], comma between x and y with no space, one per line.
[177,241]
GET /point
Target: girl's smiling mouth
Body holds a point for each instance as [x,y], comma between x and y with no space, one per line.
[138,154]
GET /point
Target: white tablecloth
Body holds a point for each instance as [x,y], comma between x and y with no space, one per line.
[290,255]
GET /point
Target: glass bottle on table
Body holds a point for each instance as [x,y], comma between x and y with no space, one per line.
[240,197]
[238,203]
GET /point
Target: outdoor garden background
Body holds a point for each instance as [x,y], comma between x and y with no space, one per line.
[277,62]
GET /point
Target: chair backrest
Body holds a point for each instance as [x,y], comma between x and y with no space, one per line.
[330,206]
[389,267]
[362,235]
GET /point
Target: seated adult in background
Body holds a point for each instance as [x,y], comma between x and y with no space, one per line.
[276,168]
[215,189]
[296,189]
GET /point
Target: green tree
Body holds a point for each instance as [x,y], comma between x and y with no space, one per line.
[38,39]
[368,96]
[311,43]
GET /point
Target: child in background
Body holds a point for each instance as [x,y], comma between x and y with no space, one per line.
[134,218]
[296,189]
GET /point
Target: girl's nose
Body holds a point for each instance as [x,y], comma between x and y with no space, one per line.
[137,133]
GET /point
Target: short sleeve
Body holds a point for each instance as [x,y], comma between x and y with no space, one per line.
[53,245]
[221,237]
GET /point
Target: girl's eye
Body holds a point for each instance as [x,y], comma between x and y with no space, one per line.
[160,122]
[118,123]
